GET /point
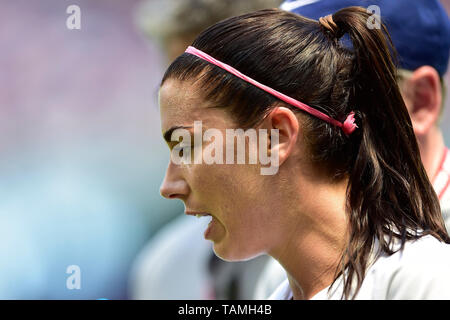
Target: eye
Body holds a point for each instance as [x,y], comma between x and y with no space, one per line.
[181,147]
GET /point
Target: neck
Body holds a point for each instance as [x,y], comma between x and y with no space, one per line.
[314,237]
[432,150]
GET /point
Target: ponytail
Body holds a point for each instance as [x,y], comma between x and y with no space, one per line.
[389,194]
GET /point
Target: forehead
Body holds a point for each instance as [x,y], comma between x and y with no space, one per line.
[181,103]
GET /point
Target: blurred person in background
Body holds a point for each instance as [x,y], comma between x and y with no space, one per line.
[81,159]
[178,263]
[420,31]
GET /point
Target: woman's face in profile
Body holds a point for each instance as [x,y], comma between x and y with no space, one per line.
[235,195]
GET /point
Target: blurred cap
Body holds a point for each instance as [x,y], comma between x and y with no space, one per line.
[420,29]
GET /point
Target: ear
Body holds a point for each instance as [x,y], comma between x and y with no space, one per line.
[287,124]
[423,98]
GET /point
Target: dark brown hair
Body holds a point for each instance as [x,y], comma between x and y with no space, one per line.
[336,68]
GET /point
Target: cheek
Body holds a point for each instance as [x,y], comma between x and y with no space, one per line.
[233,186]
[229,191]
[235,193]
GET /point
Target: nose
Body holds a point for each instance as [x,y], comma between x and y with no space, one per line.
[173,186]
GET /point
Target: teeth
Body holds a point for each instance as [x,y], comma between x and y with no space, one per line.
[199,215]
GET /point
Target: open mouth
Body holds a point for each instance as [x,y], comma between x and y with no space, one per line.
[201,215]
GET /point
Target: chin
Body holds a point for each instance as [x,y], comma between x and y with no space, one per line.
[235,254]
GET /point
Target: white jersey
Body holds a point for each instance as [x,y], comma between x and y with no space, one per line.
[419,271]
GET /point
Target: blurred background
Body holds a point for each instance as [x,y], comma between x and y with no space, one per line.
[81,153]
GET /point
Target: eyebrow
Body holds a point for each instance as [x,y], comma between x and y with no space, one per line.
[168,134]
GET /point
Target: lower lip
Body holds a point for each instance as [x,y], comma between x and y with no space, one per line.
[208,230]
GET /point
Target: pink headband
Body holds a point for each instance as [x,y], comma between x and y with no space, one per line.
[348,126]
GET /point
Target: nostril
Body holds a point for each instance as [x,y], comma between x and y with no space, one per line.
[174,196]
[169,195]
